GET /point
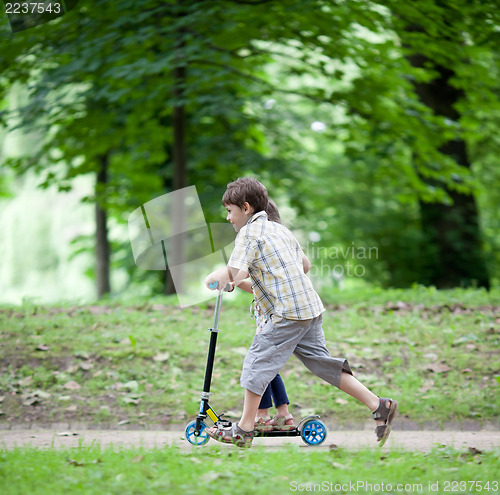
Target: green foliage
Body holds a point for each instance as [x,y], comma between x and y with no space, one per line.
[101,81]
[213,469]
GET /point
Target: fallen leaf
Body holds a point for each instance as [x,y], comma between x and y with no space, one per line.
[41,393]
[161,357]
[25,381]
[474,451]
[438,368]
[31,401]
[428,385]
[72,385]
[132,385]
[307,412]
[212,476]
[99,310]
[42,347]
[430,356]
[232,414]
[81,354]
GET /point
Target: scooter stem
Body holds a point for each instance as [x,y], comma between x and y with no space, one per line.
[213,342]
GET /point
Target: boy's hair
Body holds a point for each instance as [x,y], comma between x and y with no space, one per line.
[272,211]
[246,189]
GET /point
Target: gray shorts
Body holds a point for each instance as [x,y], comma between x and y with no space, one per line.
[278,340]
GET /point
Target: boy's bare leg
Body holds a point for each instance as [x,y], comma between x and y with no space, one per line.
[356,389]
[250,407]
[262,413]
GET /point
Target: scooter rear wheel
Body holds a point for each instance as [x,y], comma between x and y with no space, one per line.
[313,432]
[190,430]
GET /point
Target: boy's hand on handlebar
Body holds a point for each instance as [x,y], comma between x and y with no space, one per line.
[211,283]
[216,285]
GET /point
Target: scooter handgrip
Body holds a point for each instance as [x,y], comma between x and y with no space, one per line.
[213,285]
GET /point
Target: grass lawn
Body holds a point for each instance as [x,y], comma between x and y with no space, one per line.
[217,470]
[143,362]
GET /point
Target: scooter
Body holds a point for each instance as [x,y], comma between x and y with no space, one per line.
[310,429]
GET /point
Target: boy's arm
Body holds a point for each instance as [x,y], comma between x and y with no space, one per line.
[306,264]
[246,285]
[226,275]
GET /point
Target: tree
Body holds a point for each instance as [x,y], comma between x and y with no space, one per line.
[451,228]
[386,79]
[123,108]
[156,83]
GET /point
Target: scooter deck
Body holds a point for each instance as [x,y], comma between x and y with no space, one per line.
[278,433]
[295,432]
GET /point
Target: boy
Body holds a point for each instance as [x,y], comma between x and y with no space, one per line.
[292,310]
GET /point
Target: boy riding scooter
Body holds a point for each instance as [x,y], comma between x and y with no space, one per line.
[292,311]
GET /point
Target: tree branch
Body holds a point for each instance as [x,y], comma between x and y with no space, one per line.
[250,77]
[234,52]
[247,2]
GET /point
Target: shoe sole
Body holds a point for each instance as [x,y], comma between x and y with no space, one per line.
[392,414]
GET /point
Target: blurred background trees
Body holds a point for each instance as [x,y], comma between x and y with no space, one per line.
[373,124]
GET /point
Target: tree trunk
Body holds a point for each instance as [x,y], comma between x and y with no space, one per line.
[453,251]
[102,242]
[179,162]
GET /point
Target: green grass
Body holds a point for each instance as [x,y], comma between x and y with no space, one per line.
[144,361]
[218,470]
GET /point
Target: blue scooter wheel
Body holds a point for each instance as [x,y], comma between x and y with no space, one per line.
[313,432]
[190,430]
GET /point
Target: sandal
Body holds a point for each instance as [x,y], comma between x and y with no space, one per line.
[263,424]
[282,423]
[386,411]
[234,434]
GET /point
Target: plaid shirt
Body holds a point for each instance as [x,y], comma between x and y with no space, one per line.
[273,258]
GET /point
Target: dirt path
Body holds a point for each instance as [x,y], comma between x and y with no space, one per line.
[400,440]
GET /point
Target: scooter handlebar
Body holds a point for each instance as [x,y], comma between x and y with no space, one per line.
[215,285]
